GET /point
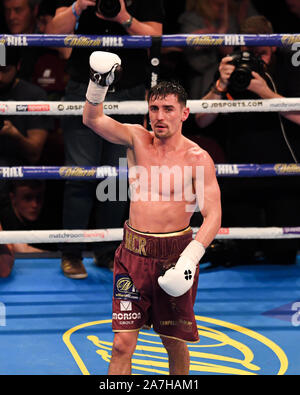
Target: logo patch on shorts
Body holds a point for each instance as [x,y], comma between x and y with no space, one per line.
[124,288]
[125,305]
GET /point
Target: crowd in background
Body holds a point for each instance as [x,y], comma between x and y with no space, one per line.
[56,74]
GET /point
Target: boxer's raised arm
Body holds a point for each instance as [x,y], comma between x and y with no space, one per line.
[105,69]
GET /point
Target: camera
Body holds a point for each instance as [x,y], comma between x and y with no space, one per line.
[245,62]
[108,8]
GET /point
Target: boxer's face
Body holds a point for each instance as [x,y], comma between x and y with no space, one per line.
[166,115]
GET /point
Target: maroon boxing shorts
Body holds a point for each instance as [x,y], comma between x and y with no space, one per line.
[138,300]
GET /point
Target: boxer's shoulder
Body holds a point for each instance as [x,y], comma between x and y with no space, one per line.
[195,154]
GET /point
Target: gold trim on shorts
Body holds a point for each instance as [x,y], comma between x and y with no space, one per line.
[159,334]
[170,234]
[128,330]
[177,338]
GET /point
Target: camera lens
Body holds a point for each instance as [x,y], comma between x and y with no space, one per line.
[240,78]
[108,8]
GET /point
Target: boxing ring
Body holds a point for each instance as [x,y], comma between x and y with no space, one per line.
[248,316]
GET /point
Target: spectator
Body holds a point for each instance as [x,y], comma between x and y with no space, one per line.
[21,18]
[82,146]
[50,68]
[259,138]
[284,14]
[22,213]
[40,65]
[50,74]
[44,67]
[22,138]
[6,259]
[172,64]
[208,17]
[294,7]
[21,15]
[3,27]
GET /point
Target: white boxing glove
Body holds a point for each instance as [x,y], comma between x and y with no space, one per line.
[180,278]
[105,69]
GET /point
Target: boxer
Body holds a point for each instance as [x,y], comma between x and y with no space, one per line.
[156,266]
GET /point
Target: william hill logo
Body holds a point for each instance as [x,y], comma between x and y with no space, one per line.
[224,348]
[84,41]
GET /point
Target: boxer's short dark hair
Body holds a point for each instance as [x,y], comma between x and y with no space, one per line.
[164,88]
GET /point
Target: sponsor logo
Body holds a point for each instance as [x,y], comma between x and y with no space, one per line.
[227,169]
[124,288]
[110,106]
[19,41]
[104,41]
[38,107]
[284,168]
[234,39]
[127,316]
[76,107]
[12,172]
[76,172]
[135,243]
[21,107]
[236,103]
[287,39]
[3,108]
[106,171]
[203,40]
[112,42]
[83,235]
[125,305]
[32,107]
[184,325]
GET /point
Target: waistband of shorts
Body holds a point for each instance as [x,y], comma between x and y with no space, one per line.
[156,245]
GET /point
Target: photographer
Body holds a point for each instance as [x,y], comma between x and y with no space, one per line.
[261,137]
[22,137]
[82,146]
[264,58]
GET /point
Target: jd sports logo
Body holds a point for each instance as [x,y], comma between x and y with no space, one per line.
[188,275]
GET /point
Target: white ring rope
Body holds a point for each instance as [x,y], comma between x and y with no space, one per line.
[140,107]
[99,235]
